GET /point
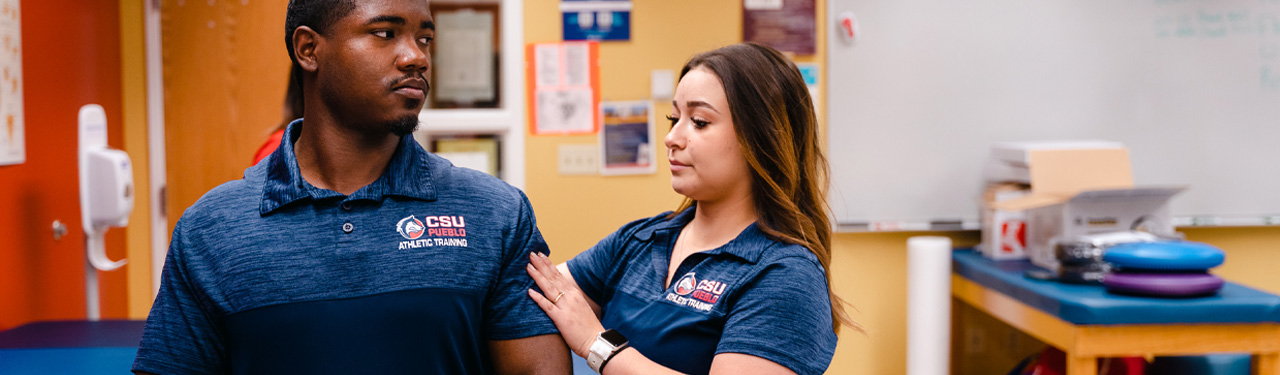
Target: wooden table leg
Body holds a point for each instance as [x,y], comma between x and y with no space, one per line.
[1266,364]
[1082,365]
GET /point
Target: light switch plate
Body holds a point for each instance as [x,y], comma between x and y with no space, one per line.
[579,159]
[662,84]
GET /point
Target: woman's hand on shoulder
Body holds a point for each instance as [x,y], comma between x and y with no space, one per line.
[567,306]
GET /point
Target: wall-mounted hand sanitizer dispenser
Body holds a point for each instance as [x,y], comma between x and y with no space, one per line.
[110,188]
[106,196]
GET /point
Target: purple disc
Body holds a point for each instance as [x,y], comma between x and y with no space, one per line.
[1163,284]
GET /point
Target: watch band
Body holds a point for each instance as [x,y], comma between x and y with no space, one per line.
[602,350]
[611,355]
[596,355]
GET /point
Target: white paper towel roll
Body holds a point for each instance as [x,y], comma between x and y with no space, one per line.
[928,305]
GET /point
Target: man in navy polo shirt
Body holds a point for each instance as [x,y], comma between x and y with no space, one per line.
[351,249]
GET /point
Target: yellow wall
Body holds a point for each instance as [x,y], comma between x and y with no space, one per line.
[1251,254]
[869,269]
[576,211]
[134,87]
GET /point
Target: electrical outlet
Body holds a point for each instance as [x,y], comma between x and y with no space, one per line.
[579,159]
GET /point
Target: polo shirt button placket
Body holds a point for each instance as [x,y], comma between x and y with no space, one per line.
[346,206]
[348,228]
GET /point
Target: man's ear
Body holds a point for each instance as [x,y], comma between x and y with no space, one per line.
[305,41]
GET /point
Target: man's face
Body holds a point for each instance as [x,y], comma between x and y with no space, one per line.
[373,64]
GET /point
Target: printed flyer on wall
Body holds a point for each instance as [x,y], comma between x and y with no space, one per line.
[627,138]
[563,87]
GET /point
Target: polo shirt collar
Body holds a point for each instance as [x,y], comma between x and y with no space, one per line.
[408,175]
[749,245]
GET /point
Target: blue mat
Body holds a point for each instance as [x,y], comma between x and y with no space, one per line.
[73,334]
[77,361]
[70,347]
[1091,304]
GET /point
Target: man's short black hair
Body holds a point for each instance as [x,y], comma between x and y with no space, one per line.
[319,15]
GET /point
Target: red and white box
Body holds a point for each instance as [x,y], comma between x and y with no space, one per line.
[1004,233]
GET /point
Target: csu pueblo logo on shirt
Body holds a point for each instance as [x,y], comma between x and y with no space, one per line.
[702,295]
[442,231]
[410,228]
[686,284]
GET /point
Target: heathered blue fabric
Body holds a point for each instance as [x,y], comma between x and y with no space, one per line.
[267,259]
[773,304]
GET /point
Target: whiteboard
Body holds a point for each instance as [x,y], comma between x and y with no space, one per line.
[1191,87]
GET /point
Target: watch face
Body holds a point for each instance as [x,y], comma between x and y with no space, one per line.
[613,337]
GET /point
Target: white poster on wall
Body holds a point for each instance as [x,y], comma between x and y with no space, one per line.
[565,85]
[464,58]
[12,142]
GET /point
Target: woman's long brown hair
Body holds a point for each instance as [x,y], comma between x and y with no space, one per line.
[777,130]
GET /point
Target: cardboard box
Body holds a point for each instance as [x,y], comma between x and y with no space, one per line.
[1019,153]
[1075,192]
[1003,232]
[1008,176]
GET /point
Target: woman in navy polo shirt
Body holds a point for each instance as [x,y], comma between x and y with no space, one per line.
[735,280]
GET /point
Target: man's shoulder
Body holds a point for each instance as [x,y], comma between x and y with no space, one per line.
[235,195]
[452,179]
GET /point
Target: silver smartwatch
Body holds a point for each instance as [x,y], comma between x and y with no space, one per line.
[607,345]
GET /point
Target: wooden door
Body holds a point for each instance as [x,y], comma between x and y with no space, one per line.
[225,71]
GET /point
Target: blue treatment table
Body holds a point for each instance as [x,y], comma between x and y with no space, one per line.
[70,347]
[1086,322]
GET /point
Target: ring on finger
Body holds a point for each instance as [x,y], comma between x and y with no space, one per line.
[557,299]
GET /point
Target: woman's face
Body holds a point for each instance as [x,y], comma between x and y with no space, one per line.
[706,162]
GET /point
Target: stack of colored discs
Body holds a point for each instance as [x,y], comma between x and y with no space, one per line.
[1163,269]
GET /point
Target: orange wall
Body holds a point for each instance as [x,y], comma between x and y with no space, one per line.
[70,57]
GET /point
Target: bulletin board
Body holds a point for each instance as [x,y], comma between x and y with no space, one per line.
[1191,87]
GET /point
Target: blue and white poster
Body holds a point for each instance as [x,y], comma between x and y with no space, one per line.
[604,20]
[627,138]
